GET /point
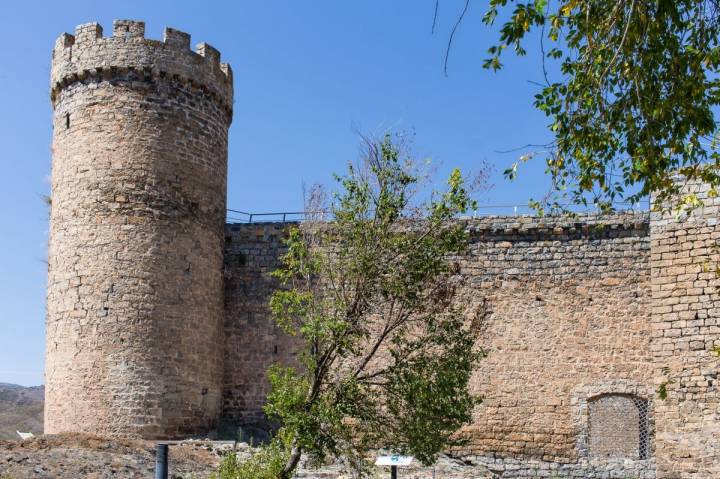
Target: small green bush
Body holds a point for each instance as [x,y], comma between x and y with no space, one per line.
[265,463]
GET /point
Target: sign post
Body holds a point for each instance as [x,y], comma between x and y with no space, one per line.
[394,462]
[161,461]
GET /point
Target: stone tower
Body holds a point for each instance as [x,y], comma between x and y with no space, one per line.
[135,287]
[684,259]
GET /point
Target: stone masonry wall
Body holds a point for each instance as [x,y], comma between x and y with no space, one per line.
[135,298]
[570,318]
[570,321]
[252,341]
[686,329]
[146,336]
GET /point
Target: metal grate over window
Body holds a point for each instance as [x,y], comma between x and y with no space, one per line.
[618,427]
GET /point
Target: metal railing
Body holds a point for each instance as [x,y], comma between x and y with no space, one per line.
[238,216]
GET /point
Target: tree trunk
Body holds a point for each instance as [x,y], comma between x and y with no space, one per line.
[291,463]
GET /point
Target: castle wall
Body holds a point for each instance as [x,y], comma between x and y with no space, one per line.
[158,320]
[252,341]
[686,329]
[569,323]
[135,298]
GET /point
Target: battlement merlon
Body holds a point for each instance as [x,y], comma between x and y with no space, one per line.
[89,53]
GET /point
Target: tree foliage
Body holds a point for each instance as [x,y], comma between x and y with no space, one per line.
[633,103]
[387,349]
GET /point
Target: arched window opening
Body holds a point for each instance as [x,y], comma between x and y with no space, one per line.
[618,427]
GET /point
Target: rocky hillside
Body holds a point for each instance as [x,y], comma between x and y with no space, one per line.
[21,409]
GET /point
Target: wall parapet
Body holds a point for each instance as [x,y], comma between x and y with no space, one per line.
[88,55]
[523,223]
[558,224]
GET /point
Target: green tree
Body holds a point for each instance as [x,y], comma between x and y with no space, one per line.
[633,97]
[373,297]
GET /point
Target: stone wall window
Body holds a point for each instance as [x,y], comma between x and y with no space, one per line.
[618,427]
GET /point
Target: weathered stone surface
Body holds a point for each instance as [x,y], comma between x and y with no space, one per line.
[252,341]
[135,301]
[570,321]
[686,329]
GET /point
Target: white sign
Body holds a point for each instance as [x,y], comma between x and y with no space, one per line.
[394,460]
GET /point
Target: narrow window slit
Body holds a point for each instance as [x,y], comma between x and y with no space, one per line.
[67,121]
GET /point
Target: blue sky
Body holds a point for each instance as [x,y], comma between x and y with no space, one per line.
[308,74]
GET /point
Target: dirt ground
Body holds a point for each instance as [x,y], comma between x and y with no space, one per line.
[75,456]
[85,456]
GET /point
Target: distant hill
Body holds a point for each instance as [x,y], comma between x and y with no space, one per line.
[21,409]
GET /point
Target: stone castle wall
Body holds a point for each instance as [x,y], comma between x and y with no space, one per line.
[135,298]
[252,341]
[569,323]
[686,333]
[158,320]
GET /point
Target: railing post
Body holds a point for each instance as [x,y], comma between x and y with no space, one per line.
[161,461]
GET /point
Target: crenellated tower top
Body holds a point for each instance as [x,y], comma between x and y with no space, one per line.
[87,54]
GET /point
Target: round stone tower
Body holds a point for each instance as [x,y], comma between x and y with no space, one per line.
[139,172]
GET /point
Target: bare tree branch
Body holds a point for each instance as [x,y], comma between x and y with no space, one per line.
[452,33]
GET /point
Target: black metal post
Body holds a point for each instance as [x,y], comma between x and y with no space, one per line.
[161,461]
[393,472]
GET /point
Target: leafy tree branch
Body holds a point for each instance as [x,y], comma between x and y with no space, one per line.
[632,107]
[388,347]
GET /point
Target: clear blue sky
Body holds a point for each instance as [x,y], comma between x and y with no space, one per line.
[307,74]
